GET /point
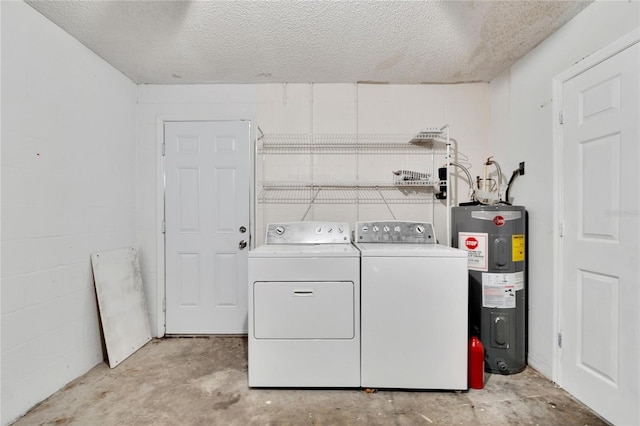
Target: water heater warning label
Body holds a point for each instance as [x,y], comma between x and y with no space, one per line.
[499,290]
[476,245]
[517,248]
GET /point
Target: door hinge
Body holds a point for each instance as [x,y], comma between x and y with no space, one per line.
[164,305]
[164,226]
[164,148]
[560,340]
[561,117]
[561,229]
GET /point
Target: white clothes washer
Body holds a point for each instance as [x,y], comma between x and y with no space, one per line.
[414,301]
[304,307]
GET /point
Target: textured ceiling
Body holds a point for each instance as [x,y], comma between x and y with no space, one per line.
[310,41]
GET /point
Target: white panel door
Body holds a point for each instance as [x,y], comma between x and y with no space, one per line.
[600,318]
[207,183]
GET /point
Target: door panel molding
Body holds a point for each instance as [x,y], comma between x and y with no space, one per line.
[558,142]
[215,197]
[160,120]
[596,333]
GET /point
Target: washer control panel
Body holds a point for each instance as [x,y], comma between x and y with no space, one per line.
[308,233]
[395,231]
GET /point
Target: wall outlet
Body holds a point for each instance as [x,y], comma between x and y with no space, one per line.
[521,169]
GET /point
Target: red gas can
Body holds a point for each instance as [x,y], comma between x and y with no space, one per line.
[476,363]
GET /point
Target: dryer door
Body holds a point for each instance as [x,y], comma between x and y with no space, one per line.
[304,310]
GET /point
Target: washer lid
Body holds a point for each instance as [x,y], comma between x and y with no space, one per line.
[409,250]
[305,250]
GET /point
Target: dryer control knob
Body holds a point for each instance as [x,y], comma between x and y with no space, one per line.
[279,230]
[420,229]
[386,228]
[318,229]
[375,228]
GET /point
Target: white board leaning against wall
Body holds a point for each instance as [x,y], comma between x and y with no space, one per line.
[123,310]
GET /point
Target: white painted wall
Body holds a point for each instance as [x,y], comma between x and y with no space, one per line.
[68,173]
[521,111]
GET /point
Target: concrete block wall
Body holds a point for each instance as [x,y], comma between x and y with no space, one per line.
[68,188]
[522,105]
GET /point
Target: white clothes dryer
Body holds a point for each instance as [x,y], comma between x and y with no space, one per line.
[304,307]
[414,308]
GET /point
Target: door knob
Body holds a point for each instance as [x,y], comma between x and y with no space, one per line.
[243,229]
[242,244]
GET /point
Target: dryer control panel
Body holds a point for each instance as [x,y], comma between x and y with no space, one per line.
[395,231]
[308,233]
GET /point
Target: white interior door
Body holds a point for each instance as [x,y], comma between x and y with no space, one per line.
[600,319]
[207,184]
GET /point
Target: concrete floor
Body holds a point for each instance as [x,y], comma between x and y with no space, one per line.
[203,381]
